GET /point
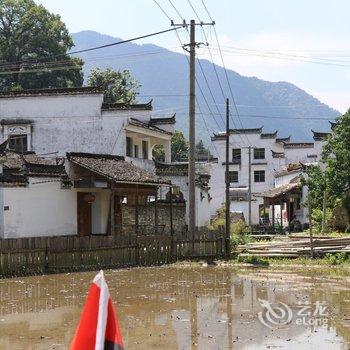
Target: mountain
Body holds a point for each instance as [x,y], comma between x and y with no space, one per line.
[164,77]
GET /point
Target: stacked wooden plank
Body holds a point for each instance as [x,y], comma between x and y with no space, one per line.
[295,247]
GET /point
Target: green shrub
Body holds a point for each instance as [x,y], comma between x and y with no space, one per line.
[317,216]
[336,259]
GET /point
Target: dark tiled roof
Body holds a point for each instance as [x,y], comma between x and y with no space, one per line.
[163,121]
[291,168]
[16,121]
[299,145]
[222,135]
[13,180]
[333,124]
[283,139]
[127,106]
[44,170]
[16,161]
[320,136]
[281,190]
[277,154]
[49,92]
[271,135]
[139,123]
[114,168]
[173,169]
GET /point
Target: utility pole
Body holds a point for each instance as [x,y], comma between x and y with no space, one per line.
[192,125]
[227,180]
[250,187]
[192,134]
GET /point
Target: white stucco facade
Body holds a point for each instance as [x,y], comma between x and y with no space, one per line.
[277,154]
[43,208]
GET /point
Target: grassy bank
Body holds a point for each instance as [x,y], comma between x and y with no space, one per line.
[329,260]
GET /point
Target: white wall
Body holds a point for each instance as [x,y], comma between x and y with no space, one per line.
[39,210]
[44,209]
[242,141]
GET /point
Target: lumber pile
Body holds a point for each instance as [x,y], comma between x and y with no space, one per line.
[295,247]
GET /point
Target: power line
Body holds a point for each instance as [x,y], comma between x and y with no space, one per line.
[94,48]
[217,74]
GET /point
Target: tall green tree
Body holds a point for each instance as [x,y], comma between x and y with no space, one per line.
[334,176]
[29,32]
[119,86]
[336,156]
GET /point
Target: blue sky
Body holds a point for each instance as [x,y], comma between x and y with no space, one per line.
[285,33]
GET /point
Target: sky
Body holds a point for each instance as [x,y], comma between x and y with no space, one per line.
[305,42]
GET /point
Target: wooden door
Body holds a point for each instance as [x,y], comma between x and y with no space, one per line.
[84,216]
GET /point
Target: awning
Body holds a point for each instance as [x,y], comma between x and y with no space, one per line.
[115,168]
[279,191]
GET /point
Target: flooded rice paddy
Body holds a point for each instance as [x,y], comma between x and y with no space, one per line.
[185,308]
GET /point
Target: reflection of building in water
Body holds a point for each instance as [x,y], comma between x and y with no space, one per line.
[163,308]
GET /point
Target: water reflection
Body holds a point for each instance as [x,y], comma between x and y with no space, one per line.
[177,308]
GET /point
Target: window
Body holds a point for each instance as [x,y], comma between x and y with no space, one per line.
[236,155]
[259,176]
[18,143]
[128,147]
[144,149]
[233,176]
[259,153]
[136,151]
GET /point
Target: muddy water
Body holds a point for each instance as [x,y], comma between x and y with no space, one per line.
[185,308]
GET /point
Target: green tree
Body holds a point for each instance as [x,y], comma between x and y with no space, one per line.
[179,149]
[29,33]
[336,156]
[119,86]
[202,152]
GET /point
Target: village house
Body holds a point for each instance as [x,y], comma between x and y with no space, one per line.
[58,142]
[270,158]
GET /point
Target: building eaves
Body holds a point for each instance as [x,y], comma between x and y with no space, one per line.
[277,154]
[52,92]
[163,121]
[280,191]
[320,136]
[115,169]
[283,139]
[271,135]
[16,121]
[127,106]
[138,123]
[299,145]
[222,135]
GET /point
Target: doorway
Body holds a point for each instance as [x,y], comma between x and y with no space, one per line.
[84,215]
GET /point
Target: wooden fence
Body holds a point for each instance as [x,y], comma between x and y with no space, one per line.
[29,256]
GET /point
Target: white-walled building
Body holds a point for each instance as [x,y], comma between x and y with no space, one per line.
[269,154]
[45,128]
[57,121]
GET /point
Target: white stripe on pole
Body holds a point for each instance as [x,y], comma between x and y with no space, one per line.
[99,280]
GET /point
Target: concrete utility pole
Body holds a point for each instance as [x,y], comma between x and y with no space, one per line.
[250,186]
[192,124]
[192,134]
[227,179]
